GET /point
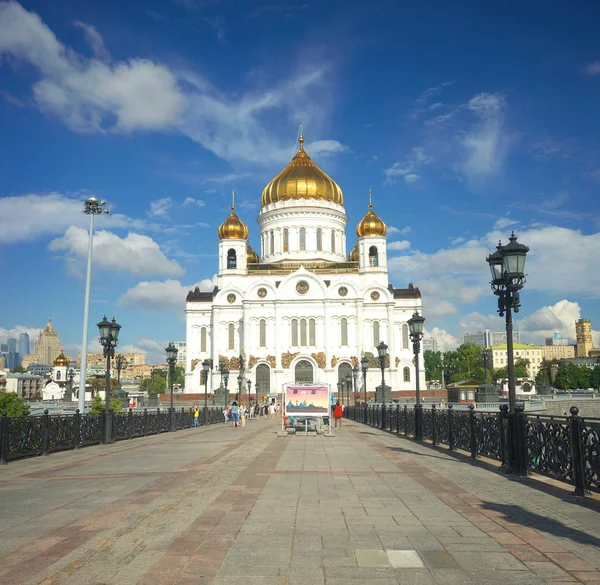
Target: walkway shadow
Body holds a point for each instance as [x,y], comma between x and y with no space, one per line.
[542,523]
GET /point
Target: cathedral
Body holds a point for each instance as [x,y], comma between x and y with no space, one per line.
[304,309]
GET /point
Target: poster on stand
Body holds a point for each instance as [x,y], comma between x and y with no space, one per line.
[309,401]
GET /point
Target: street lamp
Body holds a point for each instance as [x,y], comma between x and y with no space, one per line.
[382,350]
[120,361]
[249,384]
[415,326]
[507,266]
[92,207]
[205,370]
[364,365]
[109,339]
[172,352]
[486,357]
[240,380]
[340,394]
[348,389]
[355,374]
[69,395]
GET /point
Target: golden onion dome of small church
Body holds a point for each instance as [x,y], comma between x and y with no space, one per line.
[370,224]
[61,360]
[233,228]
[353,256]
[252,255]
[302,179]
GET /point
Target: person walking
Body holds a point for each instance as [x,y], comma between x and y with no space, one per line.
[226,414]
[235,414]
[196,415]
[242,416]
[266,411]
[337,415]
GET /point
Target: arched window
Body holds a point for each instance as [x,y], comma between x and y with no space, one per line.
[376,333]
[231,331]
[302,239]
[344,331]
[286,240]
[404,336]
[231,259]
[311,333]
[263,333]
[272,242]
[295,332]
[407,374]
[58,375]
[303,332]
[333,241]
[373,258]
[319,239]
[203,339]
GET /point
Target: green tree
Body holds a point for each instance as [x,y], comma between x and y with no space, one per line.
[522,368]
[18,370]
[13,405]
[98,405]
[594,378]
[99,384]
[433,364]
[156,384]
[569,376]
[465,363]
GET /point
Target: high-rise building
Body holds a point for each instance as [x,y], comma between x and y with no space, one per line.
[583,330]
[12,355]
[489,338]
[3,347]
[181,352]
[47,347]
[23,346]
[429,343]
[557,339]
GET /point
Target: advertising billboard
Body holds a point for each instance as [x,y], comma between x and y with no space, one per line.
[309,401]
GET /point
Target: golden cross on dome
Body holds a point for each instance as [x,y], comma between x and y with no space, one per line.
[301,136]
[232,200]
[370,198]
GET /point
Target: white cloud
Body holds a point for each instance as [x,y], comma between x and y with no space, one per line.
[394,230]
[94,40]
[446,341]
[135,253]
[159,207]
[402,245]
[15,331]
[504,222]
[165,295]
[198,202]
[593,68]
[407,170]
[474,322]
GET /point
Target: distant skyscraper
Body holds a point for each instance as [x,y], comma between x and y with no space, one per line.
[583,330]
[429,343]
[489,338]
[23,346]
[4,347]
[12,354]
[47,347]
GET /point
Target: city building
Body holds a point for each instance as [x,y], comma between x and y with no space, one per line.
[12,355]
[533,353]
[583,331]
[39,369]
[181,353]
[47,347]
[557,339]
[429,343]
[304,309]
[489,338]
[26,386]
[557,352]
[23,346]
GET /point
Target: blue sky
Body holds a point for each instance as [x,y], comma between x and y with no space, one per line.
[467,119]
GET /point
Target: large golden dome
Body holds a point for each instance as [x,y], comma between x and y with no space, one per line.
[61,360]
[302,179]
[370,224]
[233,228]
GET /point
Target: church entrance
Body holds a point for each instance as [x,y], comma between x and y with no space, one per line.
[304,372]
[344,371]
[263,381]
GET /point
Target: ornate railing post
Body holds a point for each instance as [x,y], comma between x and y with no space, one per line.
[520,440]
[472,432]
[46,433]
[3,438]
[575,428]
[383,425]
[130,423]
[450,428]
[503,434]
[77,428]
[145,422]
[433,425]
[406,420]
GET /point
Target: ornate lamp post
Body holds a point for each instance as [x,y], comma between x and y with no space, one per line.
[507,265]
[109,339]
[240,380]
[92,207]
[348,389]
[205,370]
[249,384]
[486,357]
[340,394]
[355,374]
[382,351]
[415,326]
[69,394]
[364,366]
[172,352]
[119,362]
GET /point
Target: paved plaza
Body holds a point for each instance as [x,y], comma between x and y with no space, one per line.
[224,506]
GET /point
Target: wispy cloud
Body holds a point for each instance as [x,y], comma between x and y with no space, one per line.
[94,39]
[421,102]
[160,207]
[282,10]
[409,169]
[592,68]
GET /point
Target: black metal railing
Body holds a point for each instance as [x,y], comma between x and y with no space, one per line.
[564,448]
[40,435]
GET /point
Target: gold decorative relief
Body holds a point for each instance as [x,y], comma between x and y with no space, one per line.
[320,359]
[231,298]
[286,359]
[194,364]
[354,360]
[251,362]
[302,287]
[262,292]
[334,361]
[272,360]
[397,361]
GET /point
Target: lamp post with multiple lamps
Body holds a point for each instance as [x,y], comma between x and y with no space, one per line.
[355,374]
[364,366]
[92,207]
[171,361]
[415,326]
[205,371]
[382,351]
[109,339]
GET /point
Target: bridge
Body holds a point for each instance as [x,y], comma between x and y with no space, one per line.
[222,505]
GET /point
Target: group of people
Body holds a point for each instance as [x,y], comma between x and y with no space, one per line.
[237,414]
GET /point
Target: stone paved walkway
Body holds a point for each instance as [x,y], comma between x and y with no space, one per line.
[221,506]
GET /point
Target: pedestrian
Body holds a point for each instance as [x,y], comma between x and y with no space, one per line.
[196,415]
[266,411]
[337,415]
[226,414]
[243,416]
[235,414]
[272,410]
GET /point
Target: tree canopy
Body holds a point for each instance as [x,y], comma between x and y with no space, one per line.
[13,405]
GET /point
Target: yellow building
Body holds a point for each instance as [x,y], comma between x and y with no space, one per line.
[557,352]
[47,347]
[98,359]
[533,353]
[583,330]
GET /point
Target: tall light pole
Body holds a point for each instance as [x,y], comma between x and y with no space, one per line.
[171,360]
[348,389]
[69,395]
[382,350]
[415,326]
[355,374]
[119,362]
[92,207]
[205,370]
[364,365]
[249,384]
[109,339]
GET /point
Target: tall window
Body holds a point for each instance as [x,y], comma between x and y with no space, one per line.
[407,374]
[375,333]
[203,339]
[231,259]
[286,240]
[312,333]
[302,239]
[295,332]
[58,375]
[404,336]
[303,332]
[231,336]
[272,237]
[333,241]
[263,333]
[373,256]
[319,239]
[344,331]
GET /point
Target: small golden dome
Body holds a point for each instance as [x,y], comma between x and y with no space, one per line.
[252,255]
[302,179]
[353,256]
[233,228]
[61,360]
[370,224]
